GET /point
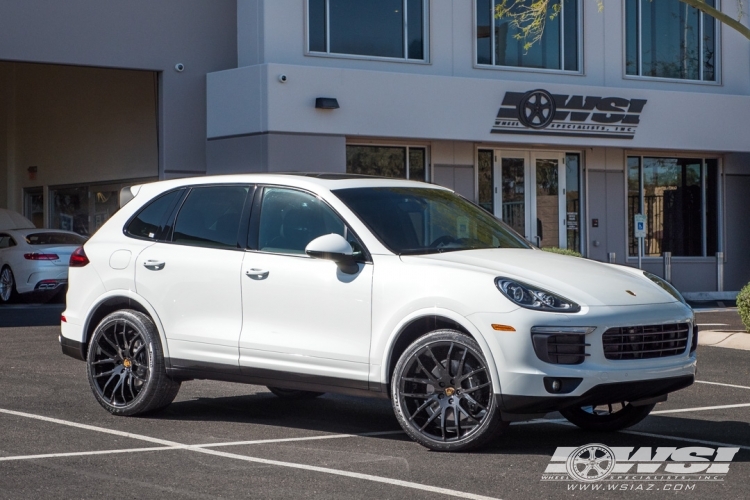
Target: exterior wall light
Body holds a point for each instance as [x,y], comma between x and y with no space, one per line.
[326,103]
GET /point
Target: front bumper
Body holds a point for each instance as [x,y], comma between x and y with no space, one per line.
[598,395]
[521,374]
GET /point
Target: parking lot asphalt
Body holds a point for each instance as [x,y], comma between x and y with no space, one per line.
[221,440]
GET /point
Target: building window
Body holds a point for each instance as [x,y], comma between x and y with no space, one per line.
[376,28]
[679,197]
[405,162]
[486,180]
[499,43]
[85,208]
[670,39]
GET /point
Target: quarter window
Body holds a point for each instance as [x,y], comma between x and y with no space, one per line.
[405,162]
[679,197]
[210,217]
[6,241]
[670,39]
[150,223]
[500,43]
[377,28]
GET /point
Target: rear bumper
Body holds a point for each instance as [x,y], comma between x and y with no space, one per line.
[72,348]
[597,395]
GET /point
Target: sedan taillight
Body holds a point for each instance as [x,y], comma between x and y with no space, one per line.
[78,258]
[41,256]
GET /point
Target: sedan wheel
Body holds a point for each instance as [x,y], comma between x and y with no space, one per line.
[126,365]
[608,417]
[7,286]
[442,393]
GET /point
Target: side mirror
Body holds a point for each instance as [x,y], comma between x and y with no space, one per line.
[333,247]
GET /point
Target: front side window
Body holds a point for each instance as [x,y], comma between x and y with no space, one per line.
[291,219]
[501,43]
[413,221]
[376,28]
[210,217]
[404,162]
[670,39]
[679,197]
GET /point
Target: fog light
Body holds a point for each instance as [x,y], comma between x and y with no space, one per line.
[556,385]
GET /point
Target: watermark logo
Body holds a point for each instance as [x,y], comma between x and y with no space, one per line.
[600,467]
[592,462]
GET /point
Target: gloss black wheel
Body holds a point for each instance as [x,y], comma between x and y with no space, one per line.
[126,365]
[442,393]
[607,417]
[294,393]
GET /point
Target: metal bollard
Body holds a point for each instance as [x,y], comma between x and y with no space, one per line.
[611,257]
[667,266]
[720,271]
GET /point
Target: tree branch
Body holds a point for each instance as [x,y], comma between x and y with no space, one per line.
[717,14]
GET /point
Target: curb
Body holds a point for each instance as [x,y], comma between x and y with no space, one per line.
[729,339]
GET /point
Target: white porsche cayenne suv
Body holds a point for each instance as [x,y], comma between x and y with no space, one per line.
[313,283]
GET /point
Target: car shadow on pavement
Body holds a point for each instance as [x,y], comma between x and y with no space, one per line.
[329,413]
[20,315]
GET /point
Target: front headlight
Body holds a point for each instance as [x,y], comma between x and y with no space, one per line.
[666,286]
[535,298]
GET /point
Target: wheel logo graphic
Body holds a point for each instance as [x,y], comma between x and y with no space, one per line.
[589,463]
[536,109]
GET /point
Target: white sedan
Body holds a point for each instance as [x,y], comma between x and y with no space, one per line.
[34,261]
[374,287]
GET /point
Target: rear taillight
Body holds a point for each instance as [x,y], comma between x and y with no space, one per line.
[78,258]
[41,256]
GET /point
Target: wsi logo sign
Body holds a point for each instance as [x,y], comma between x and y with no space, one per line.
[597,462]
[539,112]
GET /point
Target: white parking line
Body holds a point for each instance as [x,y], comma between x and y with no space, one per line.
[286,440]
[85,453]
[207,451]
[701,408]
[724,385]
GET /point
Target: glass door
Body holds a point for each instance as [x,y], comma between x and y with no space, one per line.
[548,206]
[529,195]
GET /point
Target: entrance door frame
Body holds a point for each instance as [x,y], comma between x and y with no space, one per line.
[530,197]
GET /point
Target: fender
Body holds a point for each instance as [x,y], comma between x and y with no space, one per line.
[453,316]
[130,295]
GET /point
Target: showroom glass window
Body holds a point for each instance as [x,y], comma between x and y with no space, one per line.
[670,39]
[559,48]
[405,162]
[393,29]
[679,197]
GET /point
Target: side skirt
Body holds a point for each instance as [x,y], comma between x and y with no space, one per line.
[183,370]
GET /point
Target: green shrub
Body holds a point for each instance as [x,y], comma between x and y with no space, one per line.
[563,251]
[743,305]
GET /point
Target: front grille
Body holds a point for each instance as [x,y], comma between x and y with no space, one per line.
[644,342]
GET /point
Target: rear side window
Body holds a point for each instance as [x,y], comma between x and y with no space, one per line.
[55,239]
[210,217]
[151,221]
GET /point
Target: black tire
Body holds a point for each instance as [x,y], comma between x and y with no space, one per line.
[126,368]
[607,418]
[8,292]
[294,394]
[442,395]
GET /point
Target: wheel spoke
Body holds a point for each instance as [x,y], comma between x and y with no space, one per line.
[104,361]
[470,374]
[114,346]
[422,407]
[461,363]
[429,420]
[462,410]
[130,385]
[443,414]
[114,391]
[104,374]
[474,401]
[438,364]
[467,391]
[417,380]
[448,359]
[137,351]
[433,380]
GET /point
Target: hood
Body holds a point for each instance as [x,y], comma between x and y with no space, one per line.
[13,220]
[586,282]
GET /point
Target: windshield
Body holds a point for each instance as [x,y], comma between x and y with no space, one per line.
[55,239]
[411,221]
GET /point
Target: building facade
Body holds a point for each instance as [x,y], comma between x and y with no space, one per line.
[637,109]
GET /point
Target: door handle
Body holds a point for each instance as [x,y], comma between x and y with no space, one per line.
[257,274]
[154,265]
